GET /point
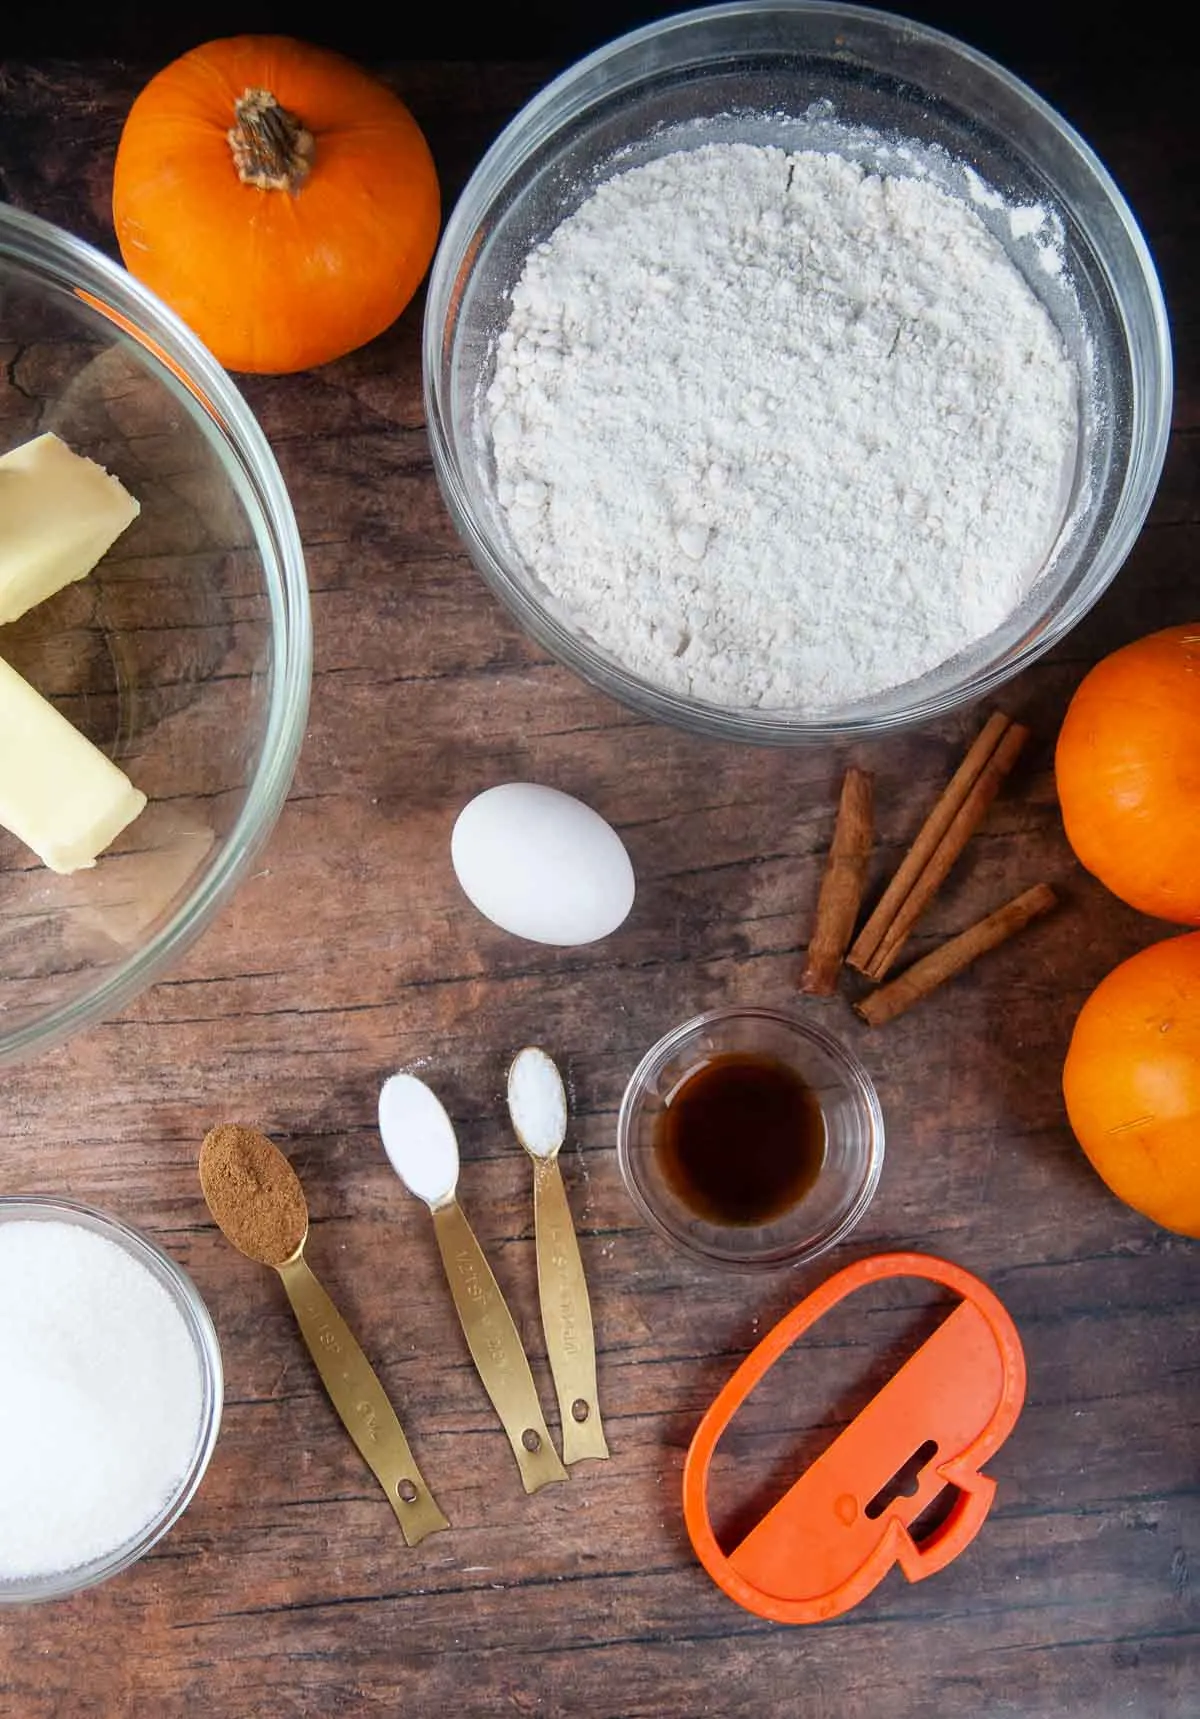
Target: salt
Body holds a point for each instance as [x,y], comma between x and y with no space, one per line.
[537,1102]
[102,1397]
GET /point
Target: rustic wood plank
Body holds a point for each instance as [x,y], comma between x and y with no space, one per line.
[350,951]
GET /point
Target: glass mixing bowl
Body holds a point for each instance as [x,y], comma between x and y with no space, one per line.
[185,655]
[895,96]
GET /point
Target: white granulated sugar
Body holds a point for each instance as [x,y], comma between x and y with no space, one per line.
[776,431]
[101,1399]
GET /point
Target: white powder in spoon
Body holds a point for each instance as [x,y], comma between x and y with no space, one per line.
[537,1101]
[777,431]
[101,1397]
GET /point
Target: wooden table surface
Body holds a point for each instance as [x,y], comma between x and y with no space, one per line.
[286,1589]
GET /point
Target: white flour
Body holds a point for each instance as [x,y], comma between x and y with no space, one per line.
[776,431]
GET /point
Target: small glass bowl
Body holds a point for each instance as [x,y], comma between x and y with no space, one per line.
[853,1158]
[44,1208]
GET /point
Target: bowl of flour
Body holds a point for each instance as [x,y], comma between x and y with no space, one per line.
[793,371]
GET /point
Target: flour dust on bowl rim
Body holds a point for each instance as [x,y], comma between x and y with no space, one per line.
[185,655]
[899,101]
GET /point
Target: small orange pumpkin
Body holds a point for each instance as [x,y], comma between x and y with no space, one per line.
[1132,1082]
[1127,766]
[280,200]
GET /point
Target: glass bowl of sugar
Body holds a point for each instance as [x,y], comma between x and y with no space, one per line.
[793,372]
[112,1396]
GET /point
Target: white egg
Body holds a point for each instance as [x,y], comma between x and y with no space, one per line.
[541,864]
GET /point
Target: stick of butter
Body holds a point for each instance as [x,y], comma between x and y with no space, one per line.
[59,513]
[58,794]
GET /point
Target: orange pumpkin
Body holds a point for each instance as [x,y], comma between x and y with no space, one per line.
[282,201]
[1132,1082]
[1128,773]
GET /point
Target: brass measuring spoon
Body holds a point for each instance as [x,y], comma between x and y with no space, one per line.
[271,1226]
[419,1140]
[537,1104]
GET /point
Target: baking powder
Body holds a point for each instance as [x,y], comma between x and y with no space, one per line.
[777,431]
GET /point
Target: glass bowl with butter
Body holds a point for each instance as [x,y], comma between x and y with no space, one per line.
[155,641]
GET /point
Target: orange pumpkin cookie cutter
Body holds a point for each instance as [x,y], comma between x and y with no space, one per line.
[825,1545]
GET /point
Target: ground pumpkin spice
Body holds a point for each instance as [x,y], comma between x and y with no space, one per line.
[253,1193]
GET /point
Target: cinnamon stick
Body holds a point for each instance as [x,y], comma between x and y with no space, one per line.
[952,956]
[927,838]
[958,833]
[842,885]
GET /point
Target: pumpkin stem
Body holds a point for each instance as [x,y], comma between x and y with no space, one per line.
[272,149]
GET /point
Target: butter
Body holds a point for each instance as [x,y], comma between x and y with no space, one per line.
[59,513]
[58,794]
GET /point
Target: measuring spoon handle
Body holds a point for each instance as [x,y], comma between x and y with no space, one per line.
[359,1399]
[566,1315]
[496,1348]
